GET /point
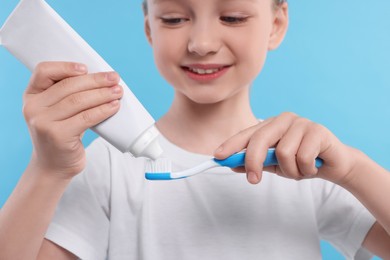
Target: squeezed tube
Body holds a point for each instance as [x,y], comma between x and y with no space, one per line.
[34,32]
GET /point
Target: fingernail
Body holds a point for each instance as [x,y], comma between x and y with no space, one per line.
[116,90]
[80,68]
[112,76]
[252,177]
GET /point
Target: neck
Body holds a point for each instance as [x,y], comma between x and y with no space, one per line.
[202,128]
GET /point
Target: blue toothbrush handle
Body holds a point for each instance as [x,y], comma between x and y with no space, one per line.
[238,159]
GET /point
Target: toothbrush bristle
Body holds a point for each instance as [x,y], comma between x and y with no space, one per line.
[159,169]
[161,165]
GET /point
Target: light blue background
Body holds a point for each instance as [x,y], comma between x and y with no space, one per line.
[332,68]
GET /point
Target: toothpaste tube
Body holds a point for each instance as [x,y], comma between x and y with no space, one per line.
[34,32]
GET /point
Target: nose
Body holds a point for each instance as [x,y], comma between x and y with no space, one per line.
[204,39]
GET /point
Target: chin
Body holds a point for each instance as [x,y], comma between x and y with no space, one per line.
[208,95]
[207,99]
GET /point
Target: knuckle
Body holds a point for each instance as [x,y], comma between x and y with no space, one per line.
[261,135]
[41,71]
[320,129]
[284,153]
[42,67]
[302,121]
[304,159]
[87,117]
[28,111]
[288,114]
[98,78]
[66,82]
[33,119]
[75,100]
[34,123]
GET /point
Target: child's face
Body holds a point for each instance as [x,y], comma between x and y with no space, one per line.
[210,50]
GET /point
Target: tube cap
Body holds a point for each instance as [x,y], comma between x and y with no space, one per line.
[152,151]
[147,144]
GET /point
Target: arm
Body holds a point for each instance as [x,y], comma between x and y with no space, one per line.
[297,143]
[60,103]
[370,183]
[26,215]
[49,251]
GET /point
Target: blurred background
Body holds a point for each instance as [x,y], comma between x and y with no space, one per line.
[332,68]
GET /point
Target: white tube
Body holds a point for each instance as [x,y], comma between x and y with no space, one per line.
[34,32]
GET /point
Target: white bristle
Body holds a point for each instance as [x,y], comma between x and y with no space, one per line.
[161,165]
[161,169]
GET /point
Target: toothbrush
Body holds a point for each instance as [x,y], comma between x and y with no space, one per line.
[161,168]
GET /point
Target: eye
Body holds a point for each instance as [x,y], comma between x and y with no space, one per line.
[233,19]
[173,21]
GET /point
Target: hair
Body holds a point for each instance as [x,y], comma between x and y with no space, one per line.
[145,4]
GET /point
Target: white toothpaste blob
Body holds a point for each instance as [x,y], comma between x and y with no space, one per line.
[34,32]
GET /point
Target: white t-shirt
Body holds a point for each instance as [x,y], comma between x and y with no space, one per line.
[110,211]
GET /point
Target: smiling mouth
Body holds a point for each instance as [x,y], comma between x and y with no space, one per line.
[203,71]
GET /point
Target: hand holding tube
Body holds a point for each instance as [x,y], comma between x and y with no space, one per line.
[60,103]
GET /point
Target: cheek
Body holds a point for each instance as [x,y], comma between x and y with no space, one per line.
[258,57]
[250,62]
[168,51]
[253,51]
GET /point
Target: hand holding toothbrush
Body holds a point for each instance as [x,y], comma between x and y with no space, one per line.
[298,142]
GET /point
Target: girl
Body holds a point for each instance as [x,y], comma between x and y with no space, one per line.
[96,204]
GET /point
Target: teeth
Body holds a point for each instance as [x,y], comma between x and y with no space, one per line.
[203,71]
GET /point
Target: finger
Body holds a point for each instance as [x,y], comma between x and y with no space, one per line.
[70,86]
[254,158]
[239,141]
[287,148]
[82,101]
[46,74]
[264,138]
[88,118]
[308,152]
